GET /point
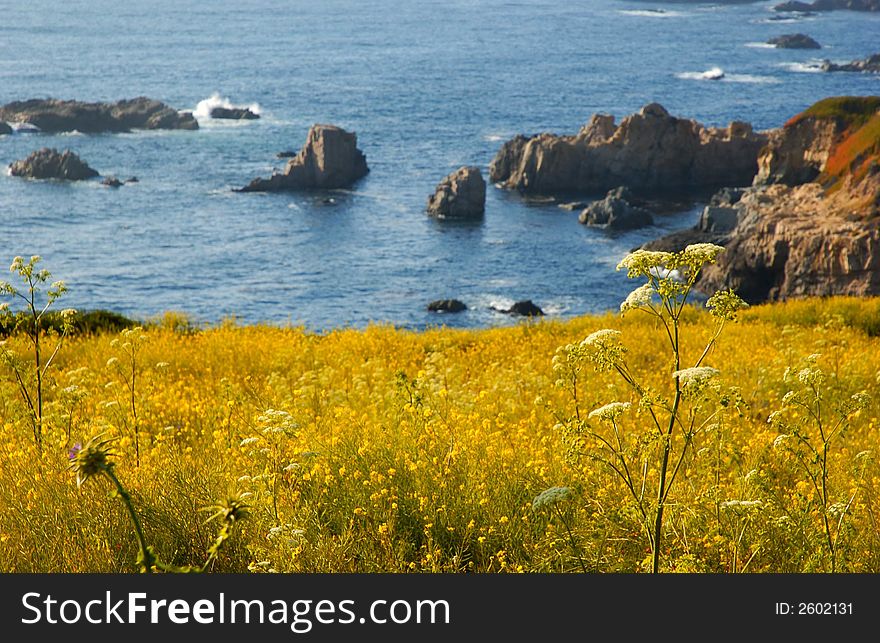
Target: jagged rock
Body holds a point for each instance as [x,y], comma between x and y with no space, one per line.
[286,154]
[4,128]
[794,41]
[718,219]
[330,159]
[870,64]
[234,113]
[112,182]
[132,179]
[462,194]
[447,306]
[650,152]
[727,197]
[51,164]
[53,115]
[829,5]
[809,224]
[571,206]
[615,212]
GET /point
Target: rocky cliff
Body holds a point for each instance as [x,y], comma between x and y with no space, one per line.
[810,225]
[650,152]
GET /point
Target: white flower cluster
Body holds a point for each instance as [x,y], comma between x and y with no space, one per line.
[610,412]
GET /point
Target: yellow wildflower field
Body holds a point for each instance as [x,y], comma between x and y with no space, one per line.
[385,450]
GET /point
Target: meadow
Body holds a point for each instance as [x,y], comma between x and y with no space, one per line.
[384,450]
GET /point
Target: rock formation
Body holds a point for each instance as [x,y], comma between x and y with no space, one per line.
[794,41]
[870,64]
[462,194]
[330,159]
[809,224]
[447,306]
[52,115]
[828,5]
[234,113]
[525,308]
[650,153]
[51,164]
[616,212]
[4,128]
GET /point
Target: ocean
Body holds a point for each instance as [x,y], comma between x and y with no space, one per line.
[428,86]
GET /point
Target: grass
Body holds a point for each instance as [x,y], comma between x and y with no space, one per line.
[382,450]
[853,111]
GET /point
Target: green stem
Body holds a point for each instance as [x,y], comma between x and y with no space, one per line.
[148,559]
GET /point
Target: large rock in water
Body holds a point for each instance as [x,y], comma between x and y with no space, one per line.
[809,224]
[51,164]
[794,41]
[650,152]
[871,64]
[234,113]
[4,128]
[462,194]
[616,213]
[53,115]
[329,159]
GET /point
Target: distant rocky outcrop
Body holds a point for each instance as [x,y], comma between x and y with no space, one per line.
[447,306]
[4,128]
[616,212]
[52,115]
[462,194]
[794,41]
[329,159]
[829,5]
[51,164]
[809,224]
[650,152]
[870,64]
[234,113]
[111,182]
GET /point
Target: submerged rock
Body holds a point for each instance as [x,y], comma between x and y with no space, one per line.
[330,159]
[51,164]
[112,182]
[53,115]
[462,194]
[650,152]
[447,306]
[794,41]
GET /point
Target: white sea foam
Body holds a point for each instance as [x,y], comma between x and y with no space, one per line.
[647,13]
[802,68]
[751,78]
[203,109]
[719,75]
[760,45]
[493,138]
[715,73]
[24,128]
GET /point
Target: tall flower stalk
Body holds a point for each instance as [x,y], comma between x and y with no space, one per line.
[31,377]
[673,423]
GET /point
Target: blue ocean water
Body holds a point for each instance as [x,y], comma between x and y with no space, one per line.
[428,86]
